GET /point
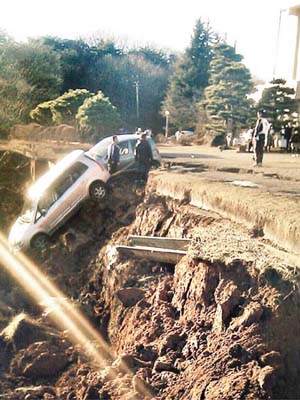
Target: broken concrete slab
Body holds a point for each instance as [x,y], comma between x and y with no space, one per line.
[152,253]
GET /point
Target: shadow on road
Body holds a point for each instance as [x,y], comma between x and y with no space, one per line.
[187,155]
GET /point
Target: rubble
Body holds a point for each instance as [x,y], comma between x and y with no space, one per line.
[219,325]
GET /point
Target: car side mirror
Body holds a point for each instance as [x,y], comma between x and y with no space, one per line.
[43,212]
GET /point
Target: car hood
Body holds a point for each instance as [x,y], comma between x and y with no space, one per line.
[18,231]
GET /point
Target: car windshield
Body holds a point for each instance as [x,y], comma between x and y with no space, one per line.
[100,149]
[28,211]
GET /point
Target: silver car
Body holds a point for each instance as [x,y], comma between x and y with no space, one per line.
[55,196]
[127,144]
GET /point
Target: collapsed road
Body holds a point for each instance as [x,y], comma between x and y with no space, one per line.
[219,322]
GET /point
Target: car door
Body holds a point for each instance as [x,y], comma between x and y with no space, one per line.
[133,144]
[77,191]
[70,189]
[58,200]
[47,210]
[125,154]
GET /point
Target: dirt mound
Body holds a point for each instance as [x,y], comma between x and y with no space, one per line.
[212,330]
[219,325]
[36,132]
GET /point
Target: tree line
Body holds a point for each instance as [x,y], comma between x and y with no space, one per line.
[99,86]
[43,79]
[210,90]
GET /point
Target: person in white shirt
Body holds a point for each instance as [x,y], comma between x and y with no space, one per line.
[261,129]
[178,135]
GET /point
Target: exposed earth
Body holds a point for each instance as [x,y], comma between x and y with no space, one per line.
[223,323]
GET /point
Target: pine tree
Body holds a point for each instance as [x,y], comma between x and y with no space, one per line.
[226,99]
[190,78]
[279,103]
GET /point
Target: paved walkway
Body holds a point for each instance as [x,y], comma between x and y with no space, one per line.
[267,198]
[276,164]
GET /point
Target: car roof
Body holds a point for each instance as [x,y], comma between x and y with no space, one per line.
[122,138]
[49,177]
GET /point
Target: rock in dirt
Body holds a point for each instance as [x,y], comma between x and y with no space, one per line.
[194,285]
[31,393]
[238,351]
[171,342]
[227,296]
[252,313]
[40,359]
[273,358]
[126,363]
[109,373]
[267,378]
[231,386]
[143,387]
[130,296]
[164,363]
[23,331]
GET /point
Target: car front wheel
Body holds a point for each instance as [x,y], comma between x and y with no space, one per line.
[98,190]
[40,241]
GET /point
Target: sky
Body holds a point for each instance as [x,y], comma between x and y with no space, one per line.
[252,25]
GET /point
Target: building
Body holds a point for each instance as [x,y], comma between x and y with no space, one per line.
[287,63]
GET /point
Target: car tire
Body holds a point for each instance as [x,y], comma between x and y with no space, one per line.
[155,164]
[40,241]
[98,190]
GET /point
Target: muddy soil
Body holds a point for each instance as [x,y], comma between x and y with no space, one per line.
[218,325]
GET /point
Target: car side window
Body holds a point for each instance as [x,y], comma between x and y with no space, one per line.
[69,177]
[77,170]
[124,148]
[59,187]
[46,201]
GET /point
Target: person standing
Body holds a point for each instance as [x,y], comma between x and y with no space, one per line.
[113,156]
[228,140]
[249,139]
[259,136]
[178,135]
[288,134]
[269,139]
[144,158]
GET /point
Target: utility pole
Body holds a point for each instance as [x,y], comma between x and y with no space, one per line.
[277,42]
[296,12]
[137,99]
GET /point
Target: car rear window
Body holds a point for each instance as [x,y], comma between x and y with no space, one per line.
[101,148]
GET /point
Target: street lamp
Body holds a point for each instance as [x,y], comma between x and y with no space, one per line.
[137,98]
[167,113]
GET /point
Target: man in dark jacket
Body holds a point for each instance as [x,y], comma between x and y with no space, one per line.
[144,158]
[113,156]
[288,130]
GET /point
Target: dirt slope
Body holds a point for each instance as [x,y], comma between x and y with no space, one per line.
[221,324]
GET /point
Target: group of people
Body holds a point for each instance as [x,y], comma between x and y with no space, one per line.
[143,156]
[263,137]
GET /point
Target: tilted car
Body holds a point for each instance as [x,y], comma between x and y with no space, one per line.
[55,196]
[127,144]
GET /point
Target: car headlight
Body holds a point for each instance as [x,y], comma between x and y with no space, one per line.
[17,246]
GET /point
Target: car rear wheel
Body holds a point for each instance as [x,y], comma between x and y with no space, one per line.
[98,190]
[40,241]
[155,164]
